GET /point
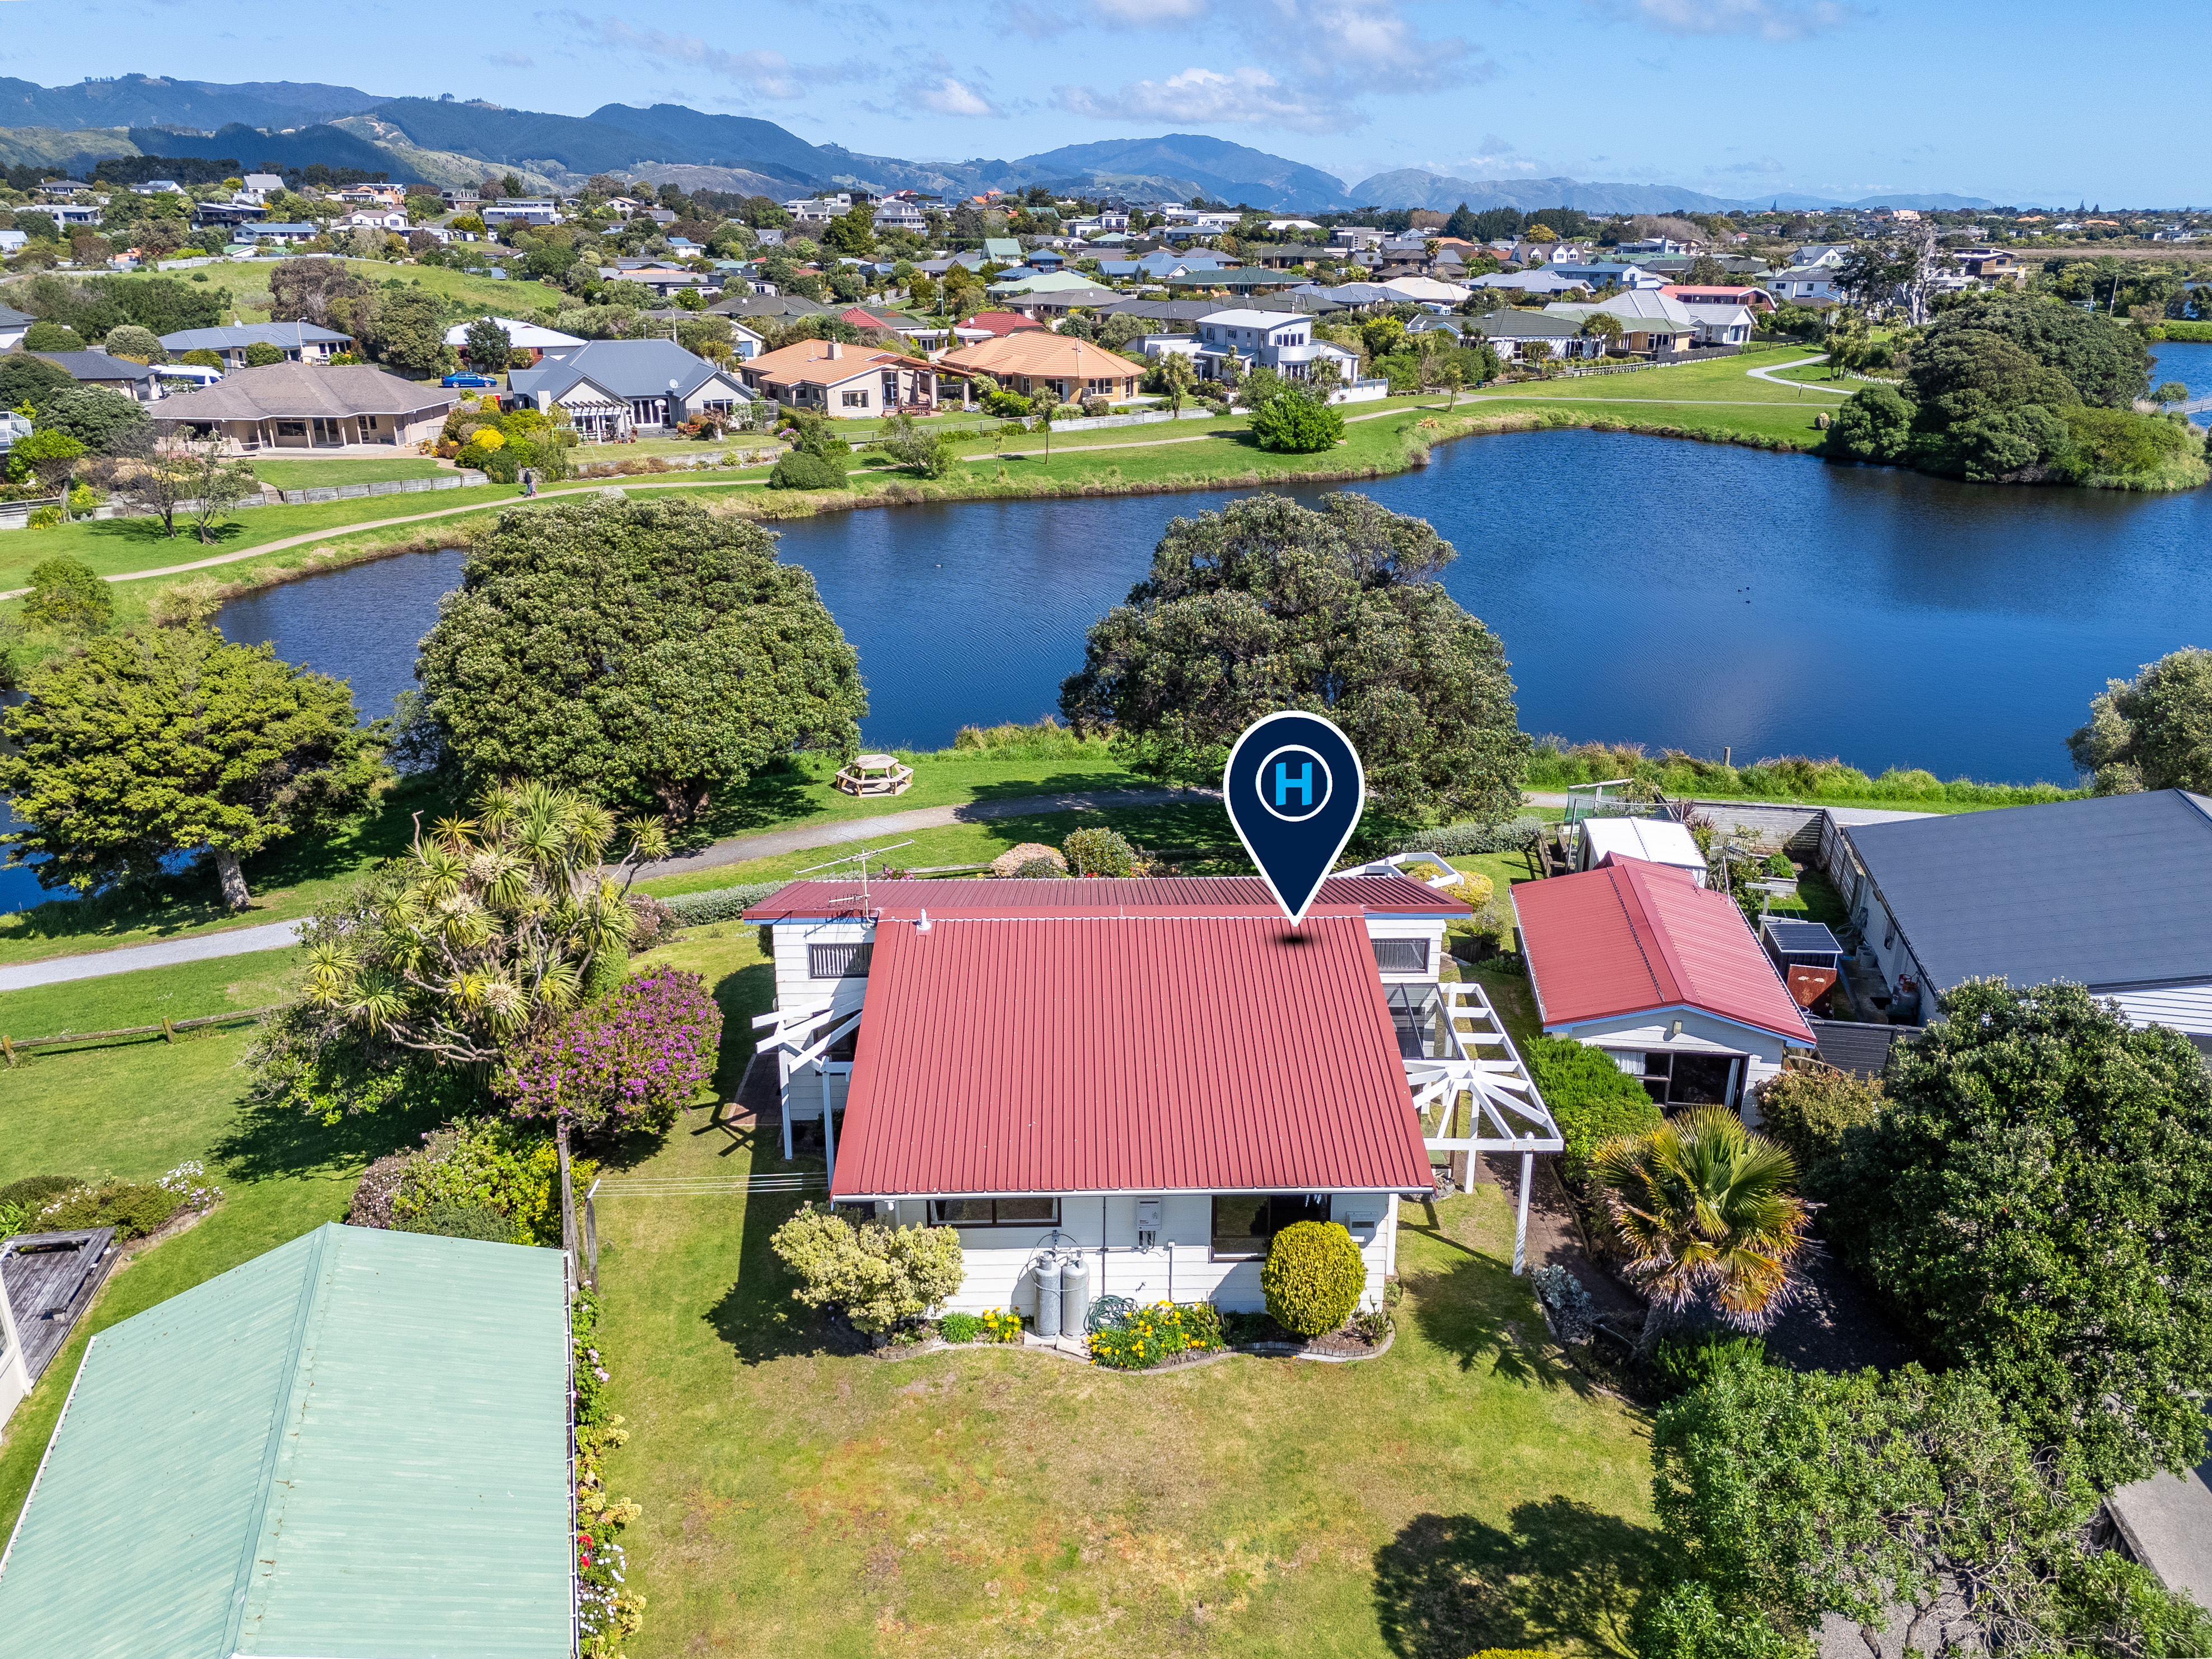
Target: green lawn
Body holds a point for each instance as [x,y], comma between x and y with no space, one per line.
[294,876]
[187,991]
[136,1110]
[344,470]
[1171,826]
[513,297]
[1465,1491]
[288,881]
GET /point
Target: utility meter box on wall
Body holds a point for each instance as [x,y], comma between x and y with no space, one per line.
[1148,1224]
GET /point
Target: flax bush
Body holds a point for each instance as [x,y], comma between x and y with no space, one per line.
[1313,1277]
[629,1060]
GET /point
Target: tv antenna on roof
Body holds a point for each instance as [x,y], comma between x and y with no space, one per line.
[861,857]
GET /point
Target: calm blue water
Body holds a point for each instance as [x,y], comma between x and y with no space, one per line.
[2191,365]
[1646,590]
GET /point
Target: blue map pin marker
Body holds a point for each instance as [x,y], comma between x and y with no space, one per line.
[1294,789]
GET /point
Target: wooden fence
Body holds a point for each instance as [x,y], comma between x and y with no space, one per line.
[12,1048]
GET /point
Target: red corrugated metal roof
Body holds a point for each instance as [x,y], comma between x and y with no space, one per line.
[1632,936]
[1138,1053]
[1099,895]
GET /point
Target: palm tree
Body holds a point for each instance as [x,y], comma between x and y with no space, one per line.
[1704,1207]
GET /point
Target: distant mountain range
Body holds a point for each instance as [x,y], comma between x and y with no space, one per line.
[1411,187]
[445,140]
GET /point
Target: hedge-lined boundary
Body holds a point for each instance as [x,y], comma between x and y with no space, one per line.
[721,904]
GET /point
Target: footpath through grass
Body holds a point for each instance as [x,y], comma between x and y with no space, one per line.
[295,875]
[1465,1491]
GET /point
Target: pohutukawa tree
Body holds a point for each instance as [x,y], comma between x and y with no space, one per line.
[1268,605]
[167,740]
[2036,1199]
[643,654]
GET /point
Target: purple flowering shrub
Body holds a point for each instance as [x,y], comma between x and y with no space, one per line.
[628,1061]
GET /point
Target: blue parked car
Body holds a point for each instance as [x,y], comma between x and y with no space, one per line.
[476,381]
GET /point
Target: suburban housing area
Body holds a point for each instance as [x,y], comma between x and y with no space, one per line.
[686,1050]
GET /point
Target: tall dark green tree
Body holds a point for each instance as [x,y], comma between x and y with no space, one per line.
[486,346]
[2036,1199]
[2153,731]
[648,653]
[168,740]
[1268,605]
[1793,1494]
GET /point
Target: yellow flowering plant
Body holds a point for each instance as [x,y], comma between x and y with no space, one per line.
[1144,1336]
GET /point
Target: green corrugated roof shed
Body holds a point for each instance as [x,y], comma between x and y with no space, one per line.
[354,1446]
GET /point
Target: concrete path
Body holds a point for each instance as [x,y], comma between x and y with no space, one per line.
[202,947]
[1768,373]
[893,824]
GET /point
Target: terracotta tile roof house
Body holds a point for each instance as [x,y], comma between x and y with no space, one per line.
[1161,1069]
[853,382]
[305,405]
[1033,362]
[1664,975]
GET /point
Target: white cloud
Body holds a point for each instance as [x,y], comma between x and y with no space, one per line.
[947,96]
[1494,158]
[1765,164]
[1149,13]
[1369,44]
[1204,97]
[767,74]
[512,59]
[1767,19]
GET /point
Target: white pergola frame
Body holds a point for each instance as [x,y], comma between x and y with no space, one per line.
[1507,1113]
[798,1039]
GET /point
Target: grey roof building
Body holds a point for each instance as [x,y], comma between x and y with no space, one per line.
[770,306]
[309,406]
[132,379]
[299,342]
[2113,893]
[611,388]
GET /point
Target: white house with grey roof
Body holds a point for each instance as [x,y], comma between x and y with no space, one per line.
[301,343]
[1281,340]
[613,390]
[2113,893]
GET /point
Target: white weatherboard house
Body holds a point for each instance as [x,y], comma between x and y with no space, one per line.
[1161,1074]
[1280,340]
[1636,959]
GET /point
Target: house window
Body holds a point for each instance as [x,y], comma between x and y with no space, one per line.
[1245,1223]
[994,1213]
[838,961]
[1682,1079]
[855,399]
[368,424]
[1401,955]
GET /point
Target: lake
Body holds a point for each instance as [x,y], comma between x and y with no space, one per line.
[1648,590]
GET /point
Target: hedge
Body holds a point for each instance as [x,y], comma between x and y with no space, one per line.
[1591,1099]
[1465,840]
[1313,1277]
[721,904]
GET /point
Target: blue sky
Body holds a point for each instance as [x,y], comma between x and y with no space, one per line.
[2030,101]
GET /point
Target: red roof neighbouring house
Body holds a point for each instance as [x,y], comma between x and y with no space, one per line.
[1632,938]
[1001,323]
[1202,1051]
